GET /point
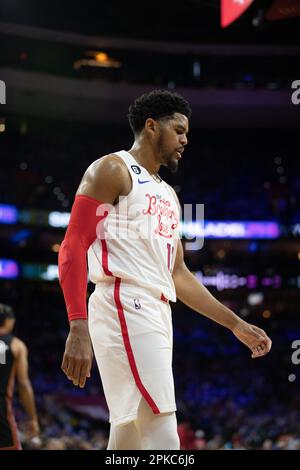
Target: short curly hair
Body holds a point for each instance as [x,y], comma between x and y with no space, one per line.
[157,104]
[5,312]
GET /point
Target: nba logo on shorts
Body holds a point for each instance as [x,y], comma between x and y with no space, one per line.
[137,304]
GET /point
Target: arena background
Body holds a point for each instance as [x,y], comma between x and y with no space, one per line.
[71,70]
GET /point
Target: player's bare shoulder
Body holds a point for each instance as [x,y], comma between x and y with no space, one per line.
[18,347]
[106,179]
[108,164]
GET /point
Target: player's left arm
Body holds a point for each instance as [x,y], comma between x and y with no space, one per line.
[26,394]
[195,295]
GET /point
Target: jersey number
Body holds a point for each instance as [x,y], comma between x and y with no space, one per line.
[170,250]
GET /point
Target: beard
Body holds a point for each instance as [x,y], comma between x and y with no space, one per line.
[169,160]
[172,165]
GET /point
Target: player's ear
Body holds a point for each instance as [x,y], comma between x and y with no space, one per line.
[150,125]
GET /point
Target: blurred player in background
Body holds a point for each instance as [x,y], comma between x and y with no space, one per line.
[14,365]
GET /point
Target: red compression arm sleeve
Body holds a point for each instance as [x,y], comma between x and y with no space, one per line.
[72,265]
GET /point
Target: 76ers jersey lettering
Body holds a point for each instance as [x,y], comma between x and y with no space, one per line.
[143,247]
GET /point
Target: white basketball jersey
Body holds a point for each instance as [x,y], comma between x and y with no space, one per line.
[141,235]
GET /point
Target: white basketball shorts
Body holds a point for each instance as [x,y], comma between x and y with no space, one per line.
[132,337]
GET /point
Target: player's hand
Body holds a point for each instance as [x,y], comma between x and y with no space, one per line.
[78,356]
[253,337]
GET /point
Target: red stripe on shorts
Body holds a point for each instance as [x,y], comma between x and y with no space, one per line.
[128,348]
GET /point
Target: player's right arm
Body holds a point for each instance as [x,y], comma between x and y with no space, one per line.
[26,394]
[103,182]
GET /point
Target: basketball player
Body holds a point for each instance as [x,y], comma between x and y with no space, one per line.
[127,219]
[13,363]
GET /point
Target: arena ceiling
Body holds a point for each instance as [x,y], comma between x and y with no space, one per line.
[171,20]
[157,43]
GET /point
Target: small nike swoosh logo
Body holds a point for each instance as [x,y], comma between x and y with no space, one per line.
[142,182]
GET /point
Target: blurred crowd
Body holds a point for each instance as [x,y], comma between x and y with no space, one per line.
[254,182]
[225,399]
